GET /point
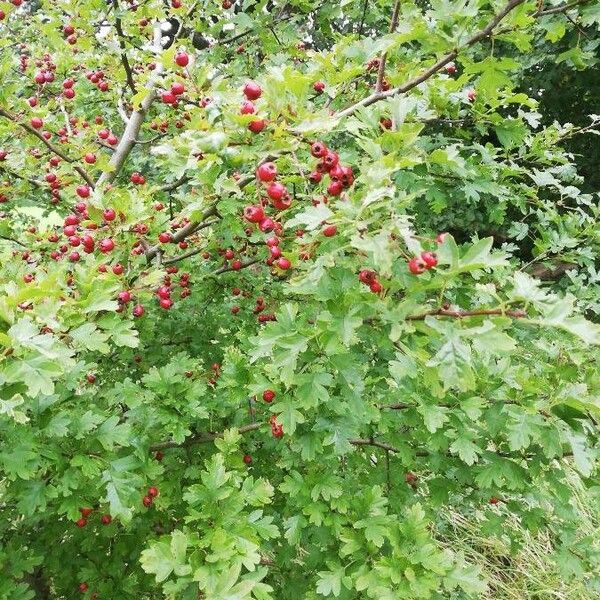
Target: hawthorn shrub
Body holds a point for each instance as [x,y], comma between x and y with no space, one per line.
[298,300]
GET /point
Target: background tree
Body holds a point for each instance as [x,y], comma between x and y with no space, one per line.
[299,299]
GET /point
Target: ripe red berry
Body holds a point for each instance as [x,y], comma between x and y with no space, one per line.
[37,123]
[247,108]
[318,149]
[165,303]
[182,59]
[177,88]
[106,245]
[376,287]
[83,587]
[266,172]
[471,95]
[247,459]
[147,501]
[153,492]
[106,519]
[252,90]
[284,264]
[81,522]
[494,500]
[90,158]
[86,512]
[329,230]
[254,213]
[257,125]
[441,237]
[430,259]
[416,266]
[268,395]
[138,310]
[335,188]
[318,86]
[276,191]
[315,177]
[169,97]
[164,237]
[83,191]
[451,68]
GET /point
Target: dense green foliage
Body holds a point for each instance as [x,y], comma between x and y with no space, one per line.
[329,399]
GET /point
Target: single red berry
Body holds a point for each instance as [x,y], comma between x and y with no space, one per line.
[284,264]
[247,108]
[329,230]
[376,287]
[147,501]
[494,500]
[86,512]
[276,191]
[37,123]
[268,395]
[182,59]
[106,519]
[416,266]
[318,149]
[247,459]
[83,587]
[165,237]
[138,310]
[153,492]
[266,172]
[252,90]
[319,86]
[257,125]
[254,213]
[430,259]
[81,522]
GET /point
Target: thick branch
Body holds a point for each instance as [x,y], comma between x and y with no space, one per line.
[441,63]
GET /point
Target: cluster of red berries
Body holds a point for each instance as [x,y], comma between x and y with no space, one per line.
[258,308]
[369,278]
[420,264]
[216,373]
[86,512]
[171,96]
[148,499]
[69,33]
[252,91]
[110,138]
[281,199]
[71,231]
[341,176]
[137,178]
[276,428]
[97,78]
[165,290]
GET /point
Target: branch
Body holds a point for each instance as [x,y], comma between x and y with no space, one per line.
[244,265]
[121,38]
[15,241]
[187,230]
[135,121]
[560,8]
[202,438]
[442,62]
[30,180]
[55,149]
[459,314]
[169,187]
[175,259]
[393,25]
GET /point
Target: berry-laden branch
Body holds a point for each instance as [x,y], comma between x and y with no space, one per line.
[55,149]
[460,314]
[442,62]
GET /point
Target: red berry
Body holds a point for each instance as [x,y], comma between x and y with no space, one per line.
[376,287]
[276,191]
[165,237]
[37,123]
[83,587]
[430,259]
[106,519]
[147,501]
[177,88]
[106,245]
[81,522]
[182,59]
[83,191]
[257,125]
[329,231]
[86,512]
[252,90]
[318,86]
[247,108]
[138,310]
[153,492]
[319,150]
[268,395]
[440,238]
[416,266]
[247,459]
[90,158]
[284,264]
[266,172]
[254,213]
